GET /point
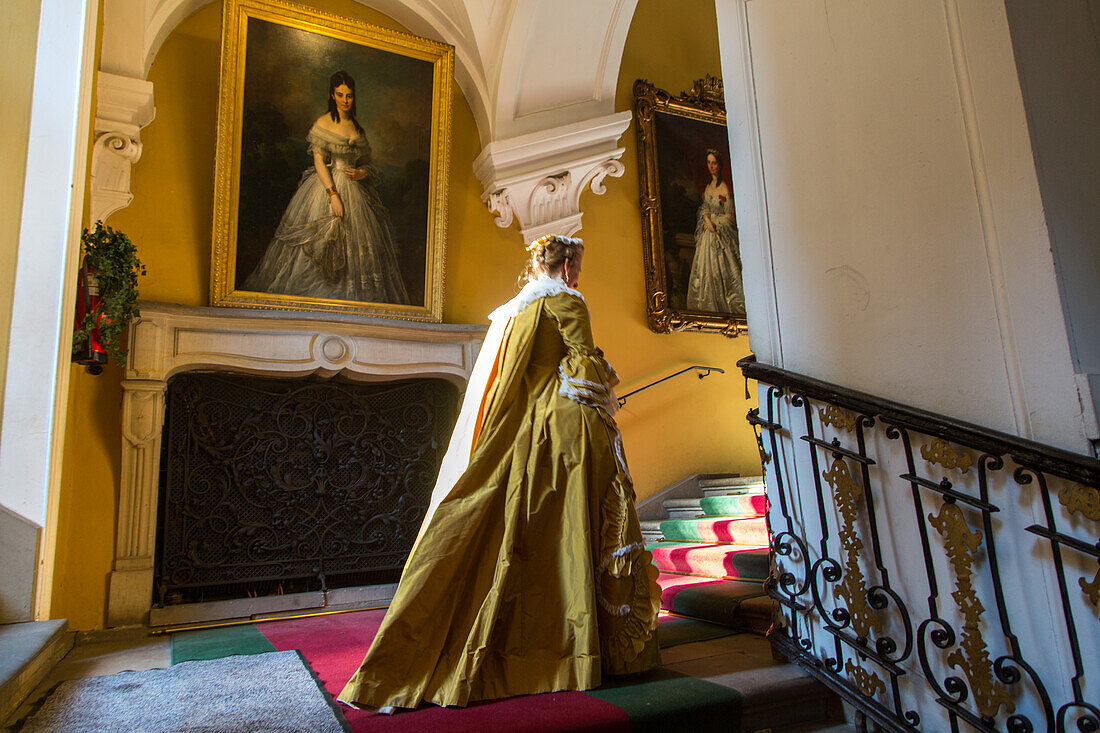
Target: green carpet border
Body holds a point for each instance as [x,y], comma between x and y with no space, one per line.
[677,631]
[224,641]
[664,700]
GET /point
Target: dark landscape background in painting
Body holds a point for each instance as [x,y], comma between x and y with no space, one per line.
[285,91]
[682,145]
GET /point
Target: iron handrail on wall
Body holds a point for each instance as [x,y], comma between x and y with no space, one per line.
[706,370]
[854,617]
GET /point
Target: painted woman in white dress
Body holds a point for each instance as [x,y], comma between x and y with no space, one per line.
[334,238]
[715,283]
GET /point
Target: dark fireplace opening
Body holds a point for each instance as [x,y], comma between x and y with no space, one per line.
[273,486]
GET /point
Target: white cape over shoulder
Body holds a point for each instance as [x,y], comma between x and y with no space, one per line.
[457,458]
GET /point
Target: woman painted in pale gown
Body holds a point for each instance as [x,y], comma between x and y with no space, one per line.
[530,573]
[334,239]
[715,282]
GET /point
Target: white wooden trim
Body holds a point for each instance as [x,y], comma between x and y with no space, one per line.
[747,168]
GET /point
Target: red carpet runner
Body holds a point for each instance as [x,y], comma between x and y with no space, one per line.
[334,646]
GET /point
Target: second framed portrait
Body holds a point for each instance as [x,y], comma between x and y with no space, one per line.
[331,171]
[689,225]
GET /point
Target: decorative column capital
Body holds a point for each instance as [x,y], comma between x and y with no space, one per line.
[124,106]
[537,179]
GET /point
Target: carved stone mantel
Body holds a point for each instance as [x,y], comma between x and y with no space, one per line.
[537,179]
[170,339]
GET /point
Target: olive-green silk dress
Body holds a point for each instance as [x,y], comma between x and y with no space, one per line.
[531,575]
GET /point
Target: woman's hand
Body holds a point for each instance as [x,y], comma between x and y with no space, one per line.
[709,223]
[337,205]
[355,174]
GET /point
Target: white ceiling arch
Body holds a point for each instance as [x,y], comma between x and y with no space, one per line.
[523,65]
[539,75]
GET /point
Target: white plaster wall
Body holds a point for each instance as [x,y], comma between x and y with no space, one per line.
[892,231]
[1061,94]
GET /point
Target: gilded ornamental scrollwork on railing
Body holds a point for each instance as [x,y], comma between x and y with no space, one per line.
[972,656]
[1083,500]
[933,626]
[852,587]
[1092,591]
[838,418]
[867,682]
[940,452]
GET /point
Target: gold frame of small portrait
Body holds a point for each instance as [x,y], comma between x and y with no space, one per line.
[704,102]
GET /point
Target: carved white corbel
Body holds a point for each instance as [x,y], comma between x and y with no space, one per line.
[537,179]
[125,105]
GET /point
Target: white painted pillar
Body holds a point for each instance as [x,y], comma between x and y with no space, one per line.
[36,384]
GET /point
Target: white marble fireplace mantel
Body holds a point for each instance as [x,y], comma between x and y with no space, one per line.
[170,339]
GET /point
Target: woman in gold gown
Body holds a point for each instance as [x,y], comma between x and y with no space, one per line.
[529,574]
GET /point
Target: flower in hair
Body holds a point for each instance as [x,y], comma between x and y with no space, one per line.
[541,242]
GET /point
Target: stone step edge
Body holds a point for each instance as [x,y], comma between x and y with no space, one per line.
[697,501]
[732,481]
[20,681]
[682,516]
[741,546]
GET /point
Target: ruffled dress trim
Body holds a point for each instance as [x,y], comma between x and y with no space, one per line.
[327,141]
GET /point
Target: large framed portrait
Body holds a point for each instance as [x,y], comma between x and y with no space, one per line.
[689,226]
[331,170]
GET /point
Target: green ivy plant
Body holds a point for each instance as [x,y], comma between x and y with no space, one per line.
[112,259]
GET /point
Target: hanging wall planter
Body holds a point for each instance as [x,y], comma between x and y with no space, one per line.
[106,297]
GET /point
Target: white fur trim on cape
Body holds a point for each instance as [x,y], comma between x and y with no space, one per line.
[532,291]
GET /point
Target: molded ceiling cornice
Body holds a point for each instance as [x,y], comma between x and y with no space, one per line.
[523,65]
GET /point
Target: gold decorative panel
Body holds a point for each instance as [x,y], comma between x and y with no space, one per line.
[852,587]
[1092,591]
[972,655]
[1083,500]
[939,451]
[838,418]
[866,680]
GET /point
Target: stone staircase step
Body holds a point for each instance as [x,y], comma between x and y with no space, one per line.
[731,530]
[737,604]
[733,505]
[741,484]
[683,508]
[720,561]
[651,531]
[780,698]
[775,696]
[28,651]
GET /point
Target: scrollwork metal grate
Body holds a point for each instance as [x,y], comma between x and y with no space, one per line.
[266,481]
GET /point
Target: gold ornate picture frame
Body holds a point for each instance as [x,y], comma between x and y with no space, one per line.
[689,227]
[278,241]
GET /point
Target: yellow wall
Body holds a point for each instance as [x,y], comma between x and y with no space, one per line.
[18,41]
[684,427]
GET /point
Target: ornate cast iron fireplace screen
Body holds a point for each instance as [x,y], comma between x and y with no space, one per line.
[271,485]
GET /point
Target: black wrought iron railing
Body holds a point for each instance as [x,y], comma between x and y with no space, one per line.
[703,371]
[935,574]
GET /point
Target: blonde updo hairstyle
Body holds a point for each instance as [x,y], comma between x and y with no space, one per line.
[548,254]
